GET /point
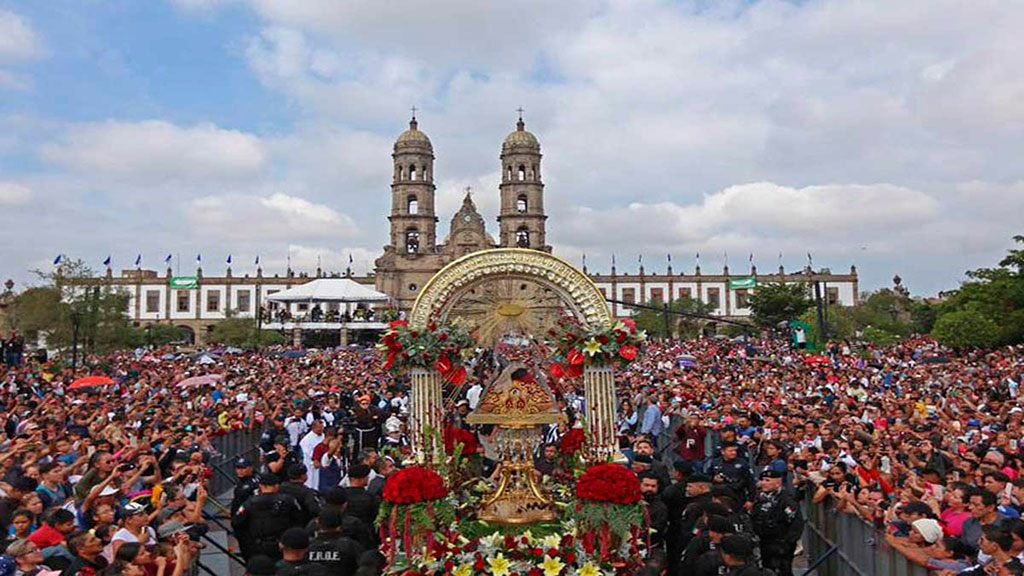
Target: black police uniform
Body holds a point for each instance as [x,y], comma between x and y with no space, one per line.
[246,488]
[307,498]
[710,563]
[737,474]
[261,520]
[779,524]
[337,554]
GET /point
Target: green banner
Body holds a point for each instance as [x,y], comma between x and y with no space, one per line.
[743,282]
[184,282]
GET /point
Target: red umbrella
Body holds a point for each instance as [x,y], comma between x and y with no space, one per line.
[817,360]
[90,381]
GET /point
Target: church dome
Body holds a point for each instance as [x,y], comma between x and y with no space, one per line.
[413,138]
[521,138]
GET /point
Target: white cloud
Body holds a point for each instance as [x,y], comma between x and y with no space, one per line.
[18,40]
[14,194]
[156,151]
[12,81]
[277,216]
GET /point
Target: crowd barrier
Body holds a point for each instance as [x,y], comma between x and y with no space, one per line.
[230,447]
[860,548]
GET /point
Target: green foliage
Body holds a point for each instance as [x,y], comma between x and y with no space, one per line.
[242,332]
[996,294]
[684,327]
[51,310]
[162,334]
[966,329]
[775,302]
[879,336]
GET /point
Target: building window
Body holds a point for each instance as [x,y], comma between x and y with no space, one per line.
[412,205]
[508,173]
[714,298]
[629,295]
[522,173]
[833,295]
[685,294]
[521,204]
[658,295]
[401,173]
[152,301]
[533,173]
[412,241]
[412,172]
[244,301]
[183,300]
[523,238]
[213,301]
[743,298]
[303,307]
[413,287]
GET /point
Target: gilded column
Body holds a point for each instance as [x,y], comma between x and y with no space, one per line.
[599,390]
[425,416]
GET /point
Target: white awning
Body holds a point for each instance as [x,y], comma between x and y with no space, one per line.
[329,290]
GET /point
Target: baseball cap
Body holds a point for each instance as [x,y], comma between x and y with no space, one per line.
[134,509]
[737,545]
[269,479]
[295,538]
[243,463]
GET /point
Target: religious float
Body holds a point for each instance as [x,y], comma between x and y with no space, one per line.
[547,328]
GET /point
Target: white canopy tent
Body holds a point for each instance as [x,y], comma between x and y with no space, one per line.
[329,290]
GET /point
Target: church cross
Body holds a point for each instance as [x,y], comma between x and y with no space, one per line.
[413,111]
[520,110]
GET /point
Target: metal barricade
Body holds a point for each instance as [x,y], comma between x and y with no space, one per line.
[861,548]
[231,446]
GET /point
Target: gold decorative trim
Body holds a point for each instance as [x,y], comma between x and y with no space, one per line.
[574,287]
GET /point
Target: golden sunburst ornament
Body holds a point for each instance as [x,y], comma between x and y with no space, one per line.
[495,308]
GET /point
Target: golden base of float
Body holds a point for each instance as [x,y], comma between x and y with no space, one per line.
[518,404]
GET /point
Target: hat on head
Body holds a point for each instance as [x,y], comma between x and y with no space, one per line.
[282,439]
[295,538]
[737,545]
[296,471]
[330,518]
[269,479]
[929,528]
[771,473]
[699,479]
[134,509]
[108,490]
[243,463]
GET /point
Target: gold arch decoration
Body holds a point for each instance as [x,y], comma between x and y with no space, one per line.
[509,288]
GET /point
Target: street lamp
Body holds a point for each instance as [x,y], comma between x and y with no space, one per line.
[76,320]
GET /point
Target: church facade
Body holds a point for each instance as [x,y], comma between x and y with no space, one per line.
[416,251]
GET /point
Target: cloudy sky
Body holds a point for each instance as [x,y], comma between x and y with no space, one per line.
[883,134]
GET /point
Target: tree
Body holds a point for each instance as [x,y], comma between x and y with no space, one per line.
[966,329]
[242,332]
[996,294]
[162,334]
[681,323]
[776,302]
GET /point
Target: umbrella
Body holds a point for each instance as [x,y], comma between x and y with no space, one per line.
[168,357]
[233,350]
[207,360]
[90,381]
[294,354]
[687,363]
[196,381]
[817,360]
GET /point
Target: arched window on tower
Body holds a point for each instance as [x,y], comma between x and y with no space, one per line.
[522,172]
[508,174]
[412,172]
[521,204]
[523,237]
[412,205]
[533,173]
[401,172]
[412,241]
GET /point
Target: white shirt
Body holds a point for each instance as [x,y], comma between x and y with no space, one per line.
[473,395]
[308,444]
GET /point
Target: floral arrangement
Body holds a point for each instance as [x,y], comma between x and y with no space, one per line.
[526,554]
[571,442]
[610,511]
[619,343]
[415,505]
[455,435]
[440,347]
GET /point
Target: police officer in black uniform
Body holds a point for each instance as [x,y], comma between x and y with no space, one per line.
[307,498]
[778,523]
[247,485]
[738,557]
[732,471]
[263,518]
[338,554]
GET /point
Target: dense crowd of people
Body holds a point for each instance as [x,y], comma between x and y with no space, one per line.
[729,440]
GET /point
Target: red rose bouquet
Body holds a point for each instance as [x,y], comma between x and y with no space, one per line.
[579,345]
[610,510]
[438,347]
[571,442]
[415,506]
[454,435]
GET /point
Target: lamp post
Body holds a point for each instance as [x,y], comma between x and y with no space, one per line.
[76,320]
[149,335]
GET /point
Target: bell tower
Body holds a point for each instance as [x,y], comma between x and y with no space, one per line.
[522,217]
[413,221]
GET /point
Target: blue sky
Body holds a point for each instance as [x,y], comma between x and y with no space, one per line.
[870,133]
